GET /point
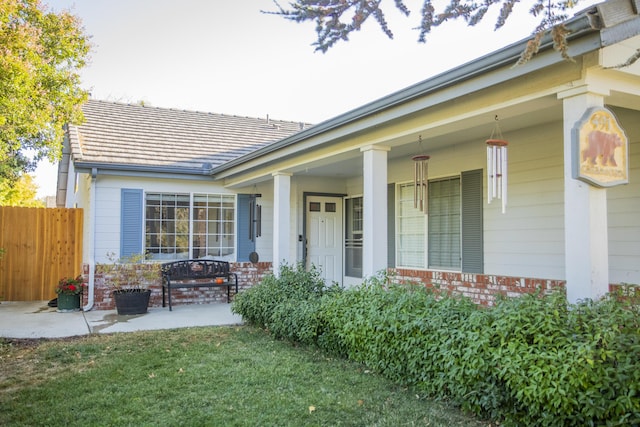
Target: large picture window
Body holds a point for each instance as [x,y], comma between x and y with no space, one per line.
[181,226]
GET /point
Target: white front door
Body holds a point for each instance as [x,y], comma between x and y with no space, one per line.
[324,236]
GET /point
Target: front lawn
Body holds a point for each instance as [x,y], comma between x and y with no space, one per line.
[213,376]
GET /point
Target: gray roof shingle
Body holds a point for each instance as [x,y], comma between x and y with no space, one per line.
[126,134]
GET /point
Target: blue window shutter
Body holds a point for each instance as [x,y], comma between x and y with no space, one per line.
[130,222]
[471,210]
[246,239]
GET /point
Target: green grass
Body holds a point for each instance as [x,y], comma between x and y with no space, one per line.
[203,377]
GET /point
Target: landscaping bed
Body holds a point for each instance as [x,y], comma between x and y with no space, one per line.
[531,360]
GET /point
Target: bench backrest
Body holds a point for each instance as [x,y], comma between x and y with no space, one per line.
[195,269]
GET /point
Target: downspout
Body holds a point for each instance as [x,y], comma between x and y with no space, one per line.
[92,241]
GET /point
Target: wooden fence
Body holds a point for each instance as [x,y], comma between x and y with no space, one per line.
[40,247]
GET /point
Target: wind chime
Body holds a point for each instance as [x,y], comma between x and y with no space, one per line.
[497,167]
[420,179]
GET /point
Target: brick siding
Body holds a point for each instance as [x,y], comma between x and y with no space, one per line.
[249,274]
[481,288]
[484,289]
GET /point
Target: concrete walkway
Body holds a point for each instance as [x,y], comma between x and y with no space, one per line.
[37,320]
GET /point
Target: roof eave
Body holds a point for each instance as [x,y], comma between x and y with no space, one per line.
[98,168]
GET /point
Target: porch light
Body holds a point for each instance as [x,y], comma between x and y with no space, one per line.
[420,180]
[497,167]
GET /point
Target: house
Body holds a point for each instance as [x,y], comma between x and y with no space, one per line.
[143,176]
[341,194]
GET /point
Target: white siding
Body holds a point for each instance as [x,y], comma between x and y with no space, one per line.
[528,240]
[624,210]
[81,198]
[107,219]
[108,204]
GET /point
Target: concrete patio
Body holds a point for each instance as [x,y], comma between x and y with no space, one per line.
[35,319]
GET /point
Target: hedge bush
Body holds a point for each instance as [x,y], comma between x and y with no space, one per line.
[534,360]
[286,305]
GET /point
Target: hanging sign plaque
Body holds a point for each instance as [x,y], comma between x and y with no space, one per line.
[600,149]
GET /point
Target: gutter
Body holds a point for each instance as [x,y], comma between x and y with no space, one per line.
[579,27]
[110,168]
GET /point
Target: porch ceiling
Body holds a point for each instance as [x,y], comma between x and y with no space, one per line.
[478,127]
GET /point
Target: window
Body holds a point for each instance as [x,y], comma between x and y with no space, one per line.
[213,230]
[353,237]
[180,226]
[167,225]
[450,236]
[410,229]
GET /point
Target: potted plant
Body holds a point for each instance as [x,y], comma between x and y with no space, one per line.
[130,278]
[69,291]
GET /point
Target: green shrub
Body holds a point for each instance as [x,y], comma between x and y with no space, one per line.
[297,320]
[286,305]
[341,316]
[533,360]
[566,364]
[414,337]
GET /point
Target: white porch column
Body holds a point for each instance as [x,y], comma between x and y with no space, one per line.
[281,220]
[374,251]
[585,211]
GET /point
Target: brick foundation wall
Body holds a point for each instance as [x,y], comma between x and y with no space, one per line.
[249,274]
[626,291]
[481,288]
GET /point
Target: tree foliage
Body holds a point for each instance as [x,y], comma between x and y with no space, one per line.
[336,19]
[41,53]
[20,193]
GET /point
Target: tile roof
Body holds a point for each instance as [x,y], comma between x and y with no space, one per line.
[126,134]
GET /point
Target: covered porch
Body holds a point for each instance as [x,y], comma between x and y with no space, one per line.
[556,230]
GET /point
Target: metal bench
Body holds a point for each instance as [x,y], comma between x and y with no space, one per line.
[197,273]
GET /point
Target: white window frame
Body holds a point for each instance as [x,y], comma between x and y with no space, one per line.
[350,242]
[228,254]
[405,203]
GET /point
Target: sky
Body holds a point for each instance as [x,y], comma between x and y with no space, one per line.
[226,56]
